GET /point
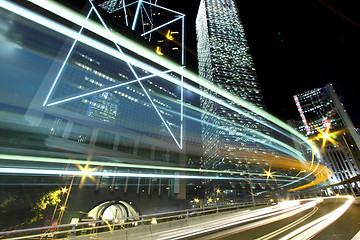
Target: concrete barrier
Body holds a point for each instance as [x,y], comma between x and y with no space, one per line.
[356,200]
[209,217]
[87,236]
[141,232]
[154,231]
[115,235]
[193,221]
[179,224]
[160,227]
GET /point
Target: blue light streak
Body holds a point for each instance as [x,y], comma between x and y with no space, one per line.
[57,172]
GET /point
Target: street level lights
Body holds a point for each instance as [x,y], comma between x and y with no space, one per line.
[63,207]
[268,174]
[218,191]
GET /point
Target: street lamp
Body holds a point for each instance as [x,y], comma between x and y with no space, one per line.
[62,208]
[217,193]
[86,172]
[326,136]
[268,174]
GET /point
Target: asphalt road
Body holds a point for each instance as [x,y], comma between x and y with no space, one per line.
[343,228]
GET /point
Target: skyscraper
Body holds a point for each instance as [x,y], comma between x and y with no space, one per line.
[224,58]
[324,120]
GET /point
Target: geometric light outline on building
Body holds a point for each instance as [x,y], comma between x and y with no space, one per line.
[140,4]
[146,53]
[180,142]
[107,88]
[66,60]
[140,83]
[140,50]
[182,18]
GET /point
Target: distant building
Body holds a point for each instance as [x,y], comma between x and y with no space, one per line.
[325,121]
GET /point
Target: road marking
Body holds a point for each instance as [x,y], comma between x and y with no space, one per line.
[357,236]
[287,227]
[311,229]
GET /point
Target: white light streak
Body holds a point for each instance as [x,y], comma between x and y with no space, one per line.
[311,229]
[90,25]
[268,214]
[57,172]
[66,59]
[76,18]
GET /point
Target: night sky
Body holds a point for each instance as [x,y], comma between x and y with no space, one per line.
[296,46]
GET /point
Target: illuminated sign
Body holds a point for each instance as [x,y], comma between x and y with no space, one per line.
[297,102]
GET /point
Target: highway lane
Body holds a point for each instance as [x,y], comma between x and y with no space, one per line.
[303,225]
[345,227]
[318,218]
[241,221]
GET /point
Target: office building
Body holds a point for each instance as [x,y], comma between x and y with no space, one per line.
[91,103]
[224,58]
[325,121]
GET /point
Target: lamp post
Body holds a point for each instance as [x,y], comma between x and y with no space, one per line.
[218,191]
[63,207]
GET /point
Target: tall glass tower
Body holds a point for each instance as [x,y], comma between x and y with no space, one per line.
[224,58]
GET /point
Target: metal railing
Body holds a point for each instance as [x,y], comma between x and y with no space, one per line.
[90,227]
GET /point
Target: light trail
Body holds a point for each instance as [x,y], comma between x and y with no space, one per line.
[57,172]
[324,172]
[271,214]
[110,164]
[311,229]
[107,88]
[136,76]
[140,50]
[76,18]
[277,162]
[263,139]
[66,59]
[321,173]
[289,226]
[233,223]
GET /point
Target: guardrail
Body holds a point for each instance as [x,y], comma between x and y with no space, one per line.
[90,227]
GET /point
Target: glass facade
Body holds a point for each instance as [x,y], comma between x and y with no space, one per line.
[325,121]
[92,101]
[224,58]
[317,111]
[102,114]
